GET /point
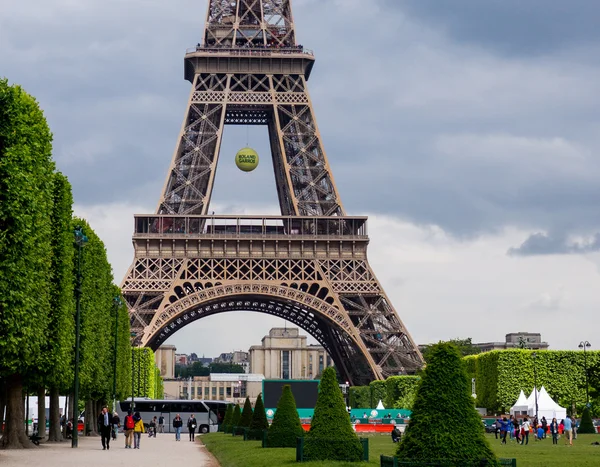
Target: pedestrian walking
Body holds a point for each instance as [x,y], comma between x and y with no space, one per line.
[526,429]
[544,425]
[104,427]
[177,424]
[116,423]
[191,424]
[161,424]
[152,428]
[129,425]
[568,430]
[503,430]
[554,431]
[137,430]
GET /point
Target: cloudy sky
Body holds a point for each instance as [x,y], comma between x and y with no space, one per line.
[468,130]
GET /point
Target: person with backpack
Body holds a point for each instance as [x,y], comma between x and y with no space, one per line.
[138,429]
[177,424]
[129,425]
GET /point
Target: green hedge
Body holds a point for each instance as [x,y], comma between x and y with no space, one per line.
[401,391]
[360,397]
[500,375]
[395,392]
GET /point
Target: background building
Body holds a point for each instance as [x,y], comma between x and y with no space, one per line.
[233,387]
[164,358]
[284,354]
[516,340]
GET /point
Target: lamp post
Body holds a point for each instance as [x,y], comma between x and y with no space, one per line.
[584,345]
[80,241]
[534,355]
[117,302]
[133,335]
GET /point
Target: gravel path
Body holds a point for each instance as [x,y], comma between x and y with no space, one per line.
[156,452]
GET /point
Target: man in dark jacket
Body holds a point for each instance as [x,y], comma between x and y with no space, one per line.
[191,424]
[104,427]
[177,424]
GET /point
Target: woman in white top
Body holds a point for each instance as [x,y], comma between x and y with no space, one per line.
[526,429]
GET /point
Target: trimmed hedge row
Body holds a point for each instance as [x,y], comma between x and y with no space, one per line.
[395,392]
[500,375]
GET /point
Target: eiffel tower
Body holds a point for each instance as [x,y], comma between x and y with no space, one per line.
[309,265]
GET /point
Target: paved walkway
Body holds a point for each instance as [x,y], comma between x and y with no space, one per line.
[156,452]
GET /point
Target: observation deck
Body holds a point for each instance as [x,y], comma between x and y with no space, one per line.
[267,60]
[250,236]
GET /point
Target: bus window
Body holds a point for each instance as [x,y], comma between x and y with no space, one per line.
[125,406]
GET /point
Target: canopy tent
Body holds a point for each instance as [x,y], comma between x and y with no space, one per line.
[521,406]
[380,406]
[546,407]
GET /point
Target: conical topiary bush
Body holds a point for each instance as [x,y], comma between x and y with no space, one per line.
[444,424]
[587,424]
[286,426]
[259,420]
[246,417]
[235,418]
[227,419]
[331,436]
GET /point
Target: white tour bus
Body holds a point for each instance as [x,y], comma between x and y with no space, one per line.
[207,413]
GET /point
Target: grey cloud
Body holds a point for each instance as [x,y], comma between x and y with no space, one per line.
[513,27]
[544,244]
[415,123]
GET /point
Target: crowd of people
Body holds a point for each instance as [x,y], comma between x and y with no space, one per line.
[519,430]
[134,426]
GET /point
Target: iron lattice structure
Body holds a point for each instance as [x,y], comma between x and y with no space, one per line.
[309,265]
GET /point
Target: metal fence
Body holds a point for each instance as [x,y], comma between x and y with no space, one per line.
[388,461]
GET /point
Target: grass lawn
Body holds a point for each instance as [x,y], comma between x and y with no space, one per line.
[234,452]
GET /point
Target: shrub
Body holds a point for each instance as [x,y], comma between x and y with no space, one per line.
[228,416]
[444,423]
[587,424]
[259,417]
[237,414]
[246,417]
[286,426]
[331,436]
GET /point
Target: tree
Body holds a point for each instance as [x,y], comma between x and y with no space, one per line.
[26,200]
[434,431]
[246,417]
[286,426]
[331,436]
[225,368]
[60,335]
[587,424]
[465,347]
[235,418]
[228,417]
[259,417]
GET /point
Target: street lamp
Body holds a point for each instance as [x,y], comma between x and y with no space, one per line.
[584,345]
[534,355]
[132,335]
[80,241]
[117,302]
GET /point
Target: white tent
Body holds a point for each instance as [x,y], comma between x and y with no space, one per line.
[380,405]
[546,407]
[521,406]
